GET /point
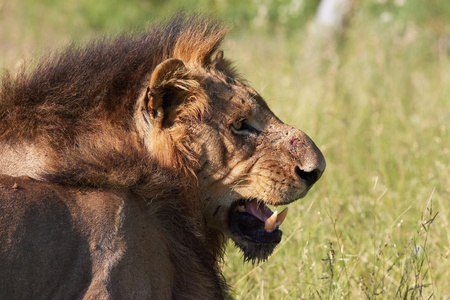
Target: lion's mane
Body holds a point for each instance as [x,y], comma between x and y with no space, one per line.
[78,104]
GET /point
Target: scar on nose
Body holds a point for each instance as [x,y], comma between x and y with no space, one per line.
[294,142]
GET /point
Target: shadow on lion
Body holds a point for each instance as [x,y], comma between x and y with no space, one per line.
[132,160]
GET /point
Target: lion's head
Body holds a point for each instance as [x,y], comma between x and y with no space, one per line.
[243,157]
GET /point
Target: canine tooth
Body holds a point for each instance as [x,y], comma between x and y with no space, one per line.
[240,208]
[270,222]
[282,215]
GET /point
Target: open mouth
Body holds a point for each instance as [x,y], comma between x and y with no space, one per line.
[253,221]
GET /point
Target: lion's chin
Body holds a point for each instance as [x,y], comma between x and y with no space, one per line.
[254,228]
[255,252]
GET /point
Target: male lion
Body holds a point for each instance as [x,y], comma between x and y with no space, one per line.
[109,115]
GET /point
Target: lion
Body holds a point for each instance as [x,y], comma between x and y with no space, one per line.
[110,115]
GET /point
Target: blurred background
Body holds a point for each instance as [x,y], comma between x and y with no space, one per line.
[367,80]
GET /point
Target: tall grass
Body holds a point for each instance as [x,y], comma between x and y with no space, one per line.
[375,100]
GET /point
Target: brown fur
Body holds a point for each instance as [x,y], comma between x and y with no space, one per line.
[78,90]
[144,115]
[64,243]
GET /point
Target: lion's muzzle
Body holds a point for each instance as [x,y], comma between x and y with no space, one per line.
[309,160]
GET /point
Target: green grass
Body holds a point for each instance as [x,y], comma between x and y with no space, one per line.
[376,101]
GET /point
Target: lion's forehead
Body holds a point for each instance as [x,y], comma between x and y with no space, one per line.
[234,100]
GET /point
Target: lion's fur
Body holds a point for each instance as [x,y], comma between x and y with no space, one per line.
[78,90]
[58,242]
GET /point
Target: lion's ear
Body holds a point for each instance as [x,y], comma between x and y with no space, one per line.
[222,64]
[175,94]
[166,71]
[219,57]
[174,100]
[163,82]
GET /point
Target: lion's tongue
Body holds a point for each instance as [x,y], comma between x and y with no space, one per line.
[272,220]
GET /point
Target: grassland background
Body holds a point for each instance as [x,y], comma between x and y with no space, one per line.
[376,101]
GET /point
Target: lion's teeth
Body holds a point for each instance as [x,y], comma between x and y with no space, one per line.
[281,216]
[270,222]
[240,208]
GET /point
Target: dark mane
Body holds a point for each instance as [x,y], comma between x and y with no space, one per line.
[77,108]
[77,104]
[104,78]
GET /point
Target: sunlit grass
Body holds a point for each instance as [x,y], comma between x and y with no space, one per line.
[376,102]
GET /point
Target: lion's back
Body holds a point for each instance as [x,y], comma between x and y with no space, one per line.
[37,247]
[63,243]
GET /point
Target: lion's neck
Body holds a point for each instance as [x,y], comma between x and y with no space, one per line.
[21,159]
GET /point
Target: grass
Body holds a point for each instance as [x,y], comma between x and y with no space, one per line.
[375,100]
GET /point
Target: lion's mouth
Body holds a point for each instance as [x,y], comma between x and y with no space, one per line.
[255,222]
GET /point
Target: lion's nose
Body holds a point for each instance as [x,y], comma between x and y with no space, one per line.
[310,163]
[309,177]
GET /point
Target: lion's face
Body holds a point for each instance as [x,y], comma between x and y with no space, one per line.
[248,159]
[244,157]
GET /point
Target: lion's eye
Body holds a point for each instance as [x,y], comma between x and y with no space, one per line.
[241,127]
[237,125]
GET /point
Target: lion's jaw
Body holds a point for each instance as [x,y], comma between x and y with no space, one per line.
[249,159]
